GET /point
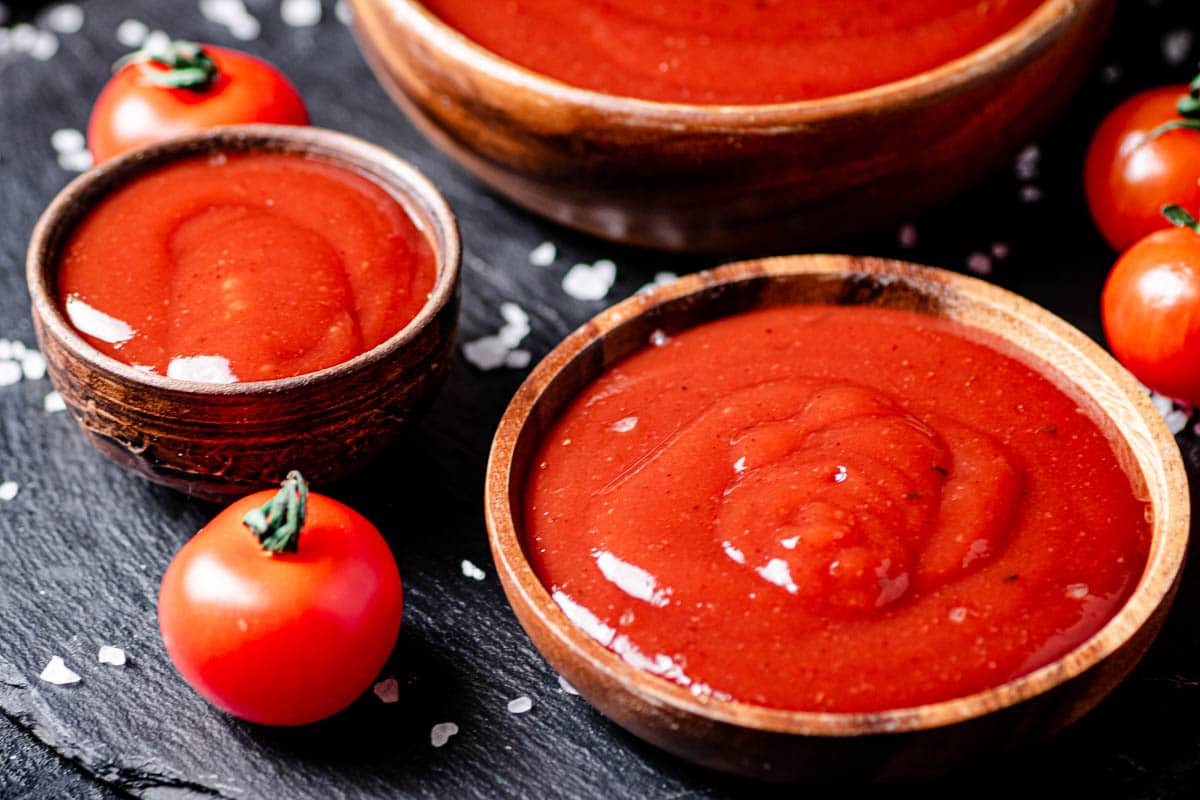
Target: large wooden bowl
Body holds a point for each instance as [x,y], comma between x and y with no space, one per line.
[783,745]
[221,440]
[760,178]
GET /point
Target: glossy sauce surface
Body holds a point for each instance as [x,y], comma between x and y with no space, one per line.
[731,51]
[244,267]
[837,509]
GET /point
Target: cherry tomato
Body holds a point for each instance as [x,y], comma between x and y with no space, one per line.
[183,87]
[1135,166]
[1151,311]
[283,608]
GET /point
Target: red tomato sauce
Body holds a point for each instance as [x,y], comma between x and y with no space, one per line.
[244,267]
[833,509]
[731,52]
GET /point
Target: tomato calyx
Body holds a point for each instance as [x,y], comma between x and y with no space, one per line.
[1180,217]
[278,524]
[1189,113]
[187,65]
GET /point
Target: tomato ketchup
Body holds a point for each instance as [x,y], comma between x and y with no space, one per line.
[833,509]
[244,267]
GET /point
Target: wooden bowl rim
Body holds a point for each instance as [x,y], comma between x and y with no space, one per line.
[1164,562]
[1041,26]
[400,178]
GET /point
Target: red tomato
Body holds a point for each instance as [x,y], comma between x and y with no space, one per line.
[1130,175]
[184,88]
[1151,312]
[279,637]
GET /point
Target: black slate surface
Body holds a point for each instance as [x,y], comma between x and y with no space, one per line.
[83,544]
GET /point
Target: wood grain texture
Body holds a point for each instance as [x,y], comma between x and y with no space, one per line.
[736,179]
[84,544]
[772,744]
[226,440]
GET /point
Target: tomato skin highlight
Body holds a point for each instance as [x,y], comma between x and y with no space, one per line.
[1128,179]
[132,111]
[1151,312]
[283,639]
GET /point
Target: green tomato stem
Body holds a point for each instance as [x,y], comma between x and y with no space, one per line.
[278,523]
[187,65]
[1178,216]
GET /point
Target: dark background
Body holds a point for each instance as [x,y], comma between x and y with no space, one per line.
[83,545]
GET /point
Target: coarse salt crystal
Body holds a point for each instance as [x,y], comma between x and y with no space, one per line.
[659,337]
[78,161]
[520,705]
[471,571]
[96,323]
[33,366]
[979,263]
[23,37]
[518,359]
[234,15]
[65,18]
[5,349]
[590,281]
[907,236]
[67,140]
[387,690]
[203,369]
[543,255]
[486,353]
[53,402]
[45,46]
[58,673]
[441,733]
[1000,250]
[1176,421]
[1177,46]
[113,656]
[566,687]
[660,279]
[132,32]
[1027,162]
[8,490]
[300,13]
[10,373]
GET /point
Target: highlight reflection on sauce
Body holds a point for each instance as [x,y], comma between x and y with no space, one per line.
[832,509]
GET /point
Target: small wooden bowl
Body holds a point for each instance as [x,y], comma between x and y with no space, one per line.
[761,178]
[220,440]
[785,745]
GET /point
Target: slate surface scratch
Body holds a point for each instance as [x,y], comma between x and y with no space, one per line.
[83,544]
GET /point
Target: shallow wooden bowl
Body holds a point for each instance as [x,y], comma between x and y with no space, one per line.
[221,440]
[785,745]
[738,179]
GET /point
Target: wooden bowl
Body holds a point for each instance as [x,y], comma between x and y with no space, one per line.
[761,178]
[784,745]
[221,440]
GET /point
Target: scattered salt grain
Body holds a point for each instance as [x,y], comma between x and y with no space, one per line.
[660,279]
[33,366]
[203,369]
[1077,591]
[234,15]
[44,46]
[1176,421]
[441,733]
[343,12]
[516,324]
[907,236]
[624,425]
[471,571]
[487,352]
[23,37]
[1028,160]
[300,13]
[1177,46]
[132,32]
[957,614]
[543,255]
[65,18]
[113,656]
[10,373]
[590,281]
[58,673]
[80,161]
[1030,194]
[566,687]
[979,263]
[67,140]
[387,690]
[520,705]
[53,402]
[518,359]
[659,337]
[1000,250]
[8,490]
